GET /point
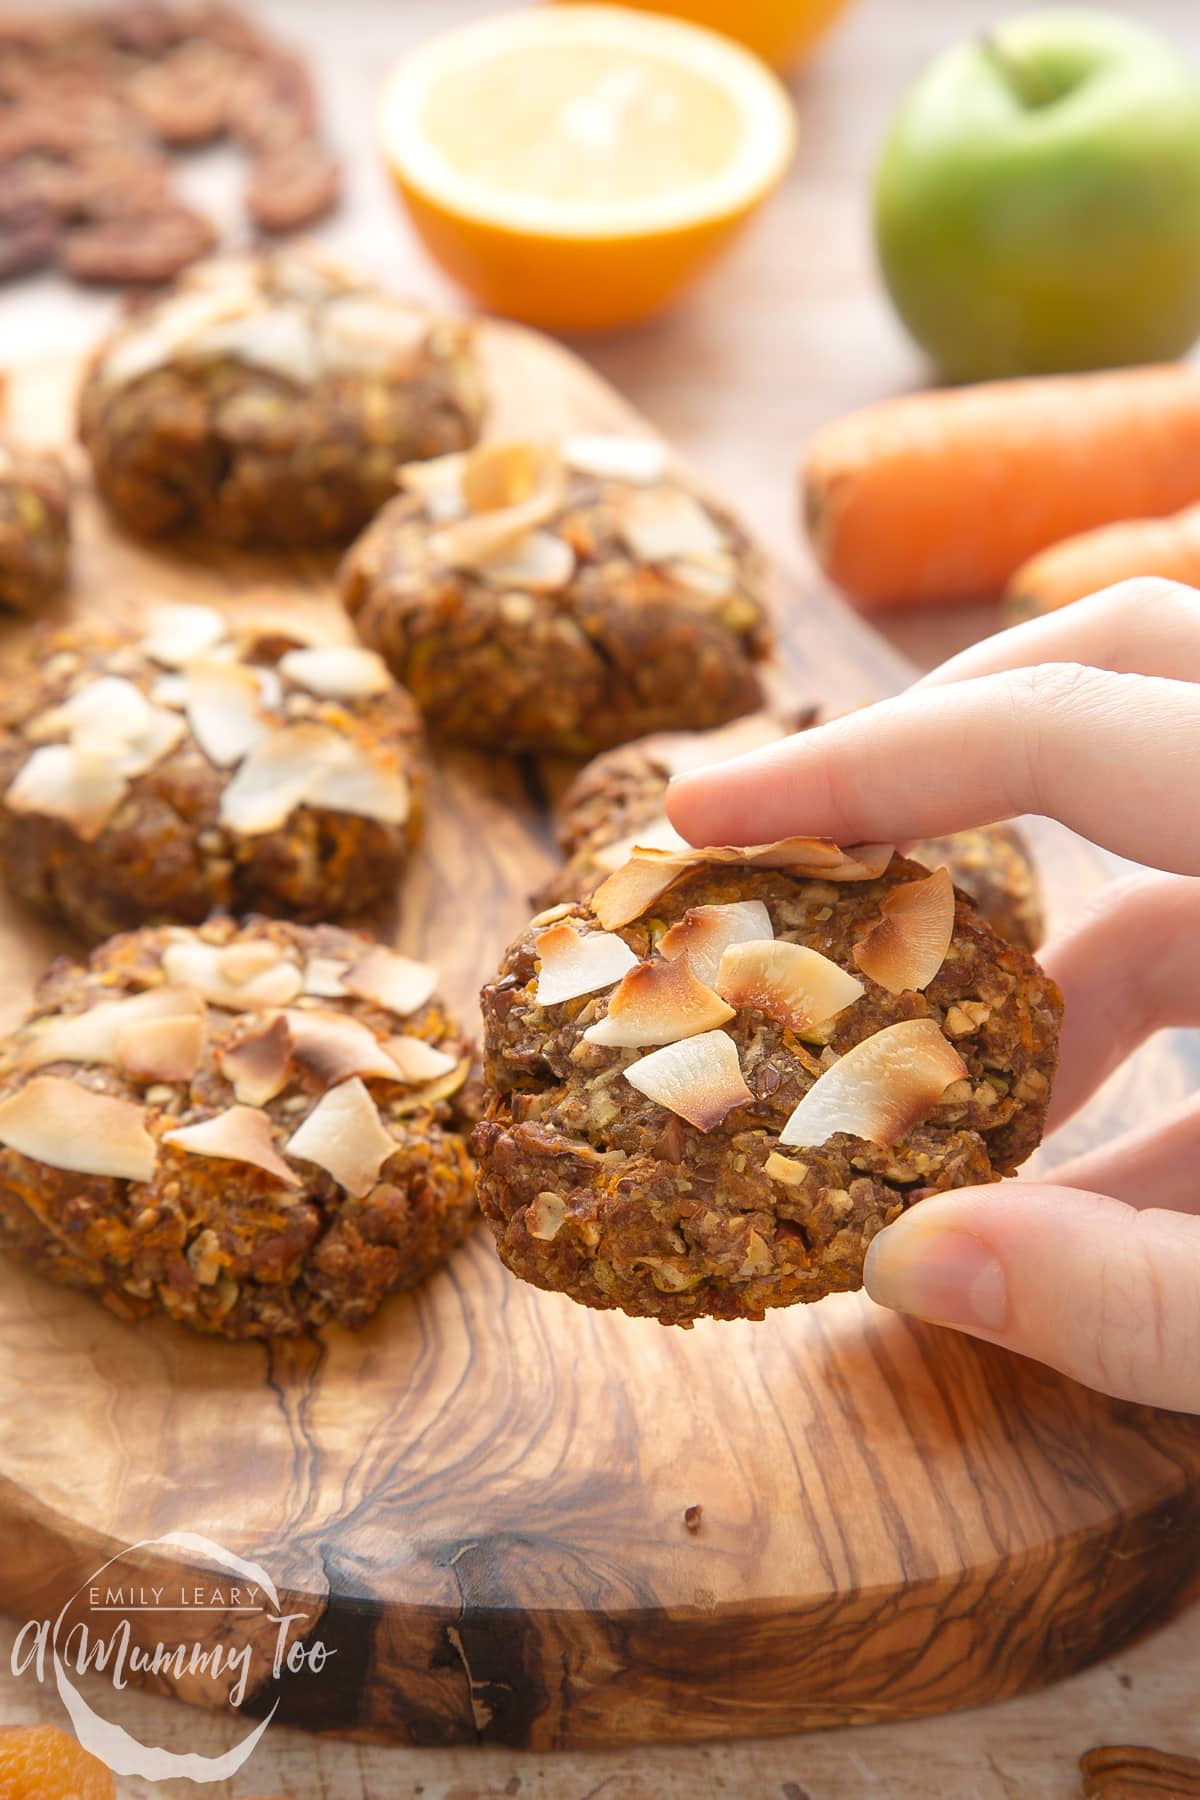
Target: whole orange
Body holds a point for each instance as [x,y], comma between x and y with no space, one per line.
[782,32]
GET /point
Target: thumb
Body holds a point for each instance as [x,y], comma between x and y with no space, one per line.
[1102,1291]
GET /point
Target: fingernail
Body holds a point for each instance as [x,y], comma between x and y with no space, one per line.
[948,1277]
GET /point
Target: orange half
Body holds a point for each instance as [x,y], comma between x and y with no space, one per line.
[577,168]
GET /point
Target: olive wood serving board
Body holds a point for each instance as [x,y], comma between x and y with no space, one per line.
[479,1499]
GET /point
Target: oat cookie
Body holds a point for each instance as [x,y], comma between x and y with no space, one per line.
[195,766]
[561,596]
[249,1128]
[268,401]
[35,527]
[710,1087]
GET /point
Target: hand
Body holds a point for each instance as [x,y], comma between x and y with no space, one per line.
[1091,716]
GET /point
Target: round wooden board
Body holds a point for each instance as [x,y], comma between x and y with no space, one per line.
[478,1501]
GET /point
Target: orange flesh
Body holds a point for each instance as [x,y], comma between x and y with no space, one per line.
[582,125]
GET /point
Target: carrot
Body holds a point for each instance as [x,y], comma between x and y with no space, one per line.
[1095,559]
[941,496]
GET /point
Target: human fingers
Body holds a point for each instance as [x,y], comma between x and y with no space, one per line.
[1130,967]
[1142,627]
[1158,1166]
[1104,1292]
[1113,756]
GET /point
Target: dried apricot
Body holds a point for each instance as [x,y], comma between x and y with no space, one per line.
[39,1762]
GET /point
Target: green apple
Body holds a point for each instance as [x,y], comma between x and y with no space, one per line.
[1037,203]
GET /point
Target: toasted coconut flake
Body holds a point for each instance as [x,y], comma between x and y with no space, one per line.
[705,932]
[272,781]
[162,1049]
[714,576]
[63,781]
[239,1134]
[782,1168]
[112,720]
[483,536]
[252,956]
[397,983]
[501,475]
[878,1090]
[277,339]
[907,944]
[348,780]
[337,671]
[664,523]
[57,1122]
[177,634]
[345,1136]
[699,1078]
[418,1060]
[438,484]
[259,1064]
[308,764]
[193,963]
[92,1036]
[374,332]
[616,458]
[538,563]
[573,962]
[434,1091]
[649,873]
[332,1046]
[658,1003]
[323,977]
[552,913]
[631,889]
[108,708]
[171,691]
[656,834]
[224,709]
[789,982]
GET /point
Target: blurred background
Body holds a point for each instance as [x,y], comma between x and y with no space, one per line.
[790,328]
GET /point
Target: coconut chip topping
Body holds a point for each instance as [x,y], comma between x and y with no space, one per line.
[239,1134]
[658,1003]
[499,506]
[791,983]
[908,945]
[880,1088]
[705,932]
[55,1121]
[699,1078]
[345,1136]
[297,318]
[573,963]
[720,960]
[93,745]
[159,1037]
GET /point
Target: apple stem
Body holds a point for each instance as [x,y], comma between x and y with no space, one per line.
[1028,84]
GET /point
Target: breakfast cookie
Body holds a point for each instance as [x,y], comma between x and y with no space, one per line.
[202,766]
[251,1128]
[711,1086]
[560,596]
[34,527]
[617,802]
[268,401]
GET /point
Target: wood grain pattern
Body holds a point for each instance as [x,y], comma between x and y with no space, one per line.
[479,1498]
